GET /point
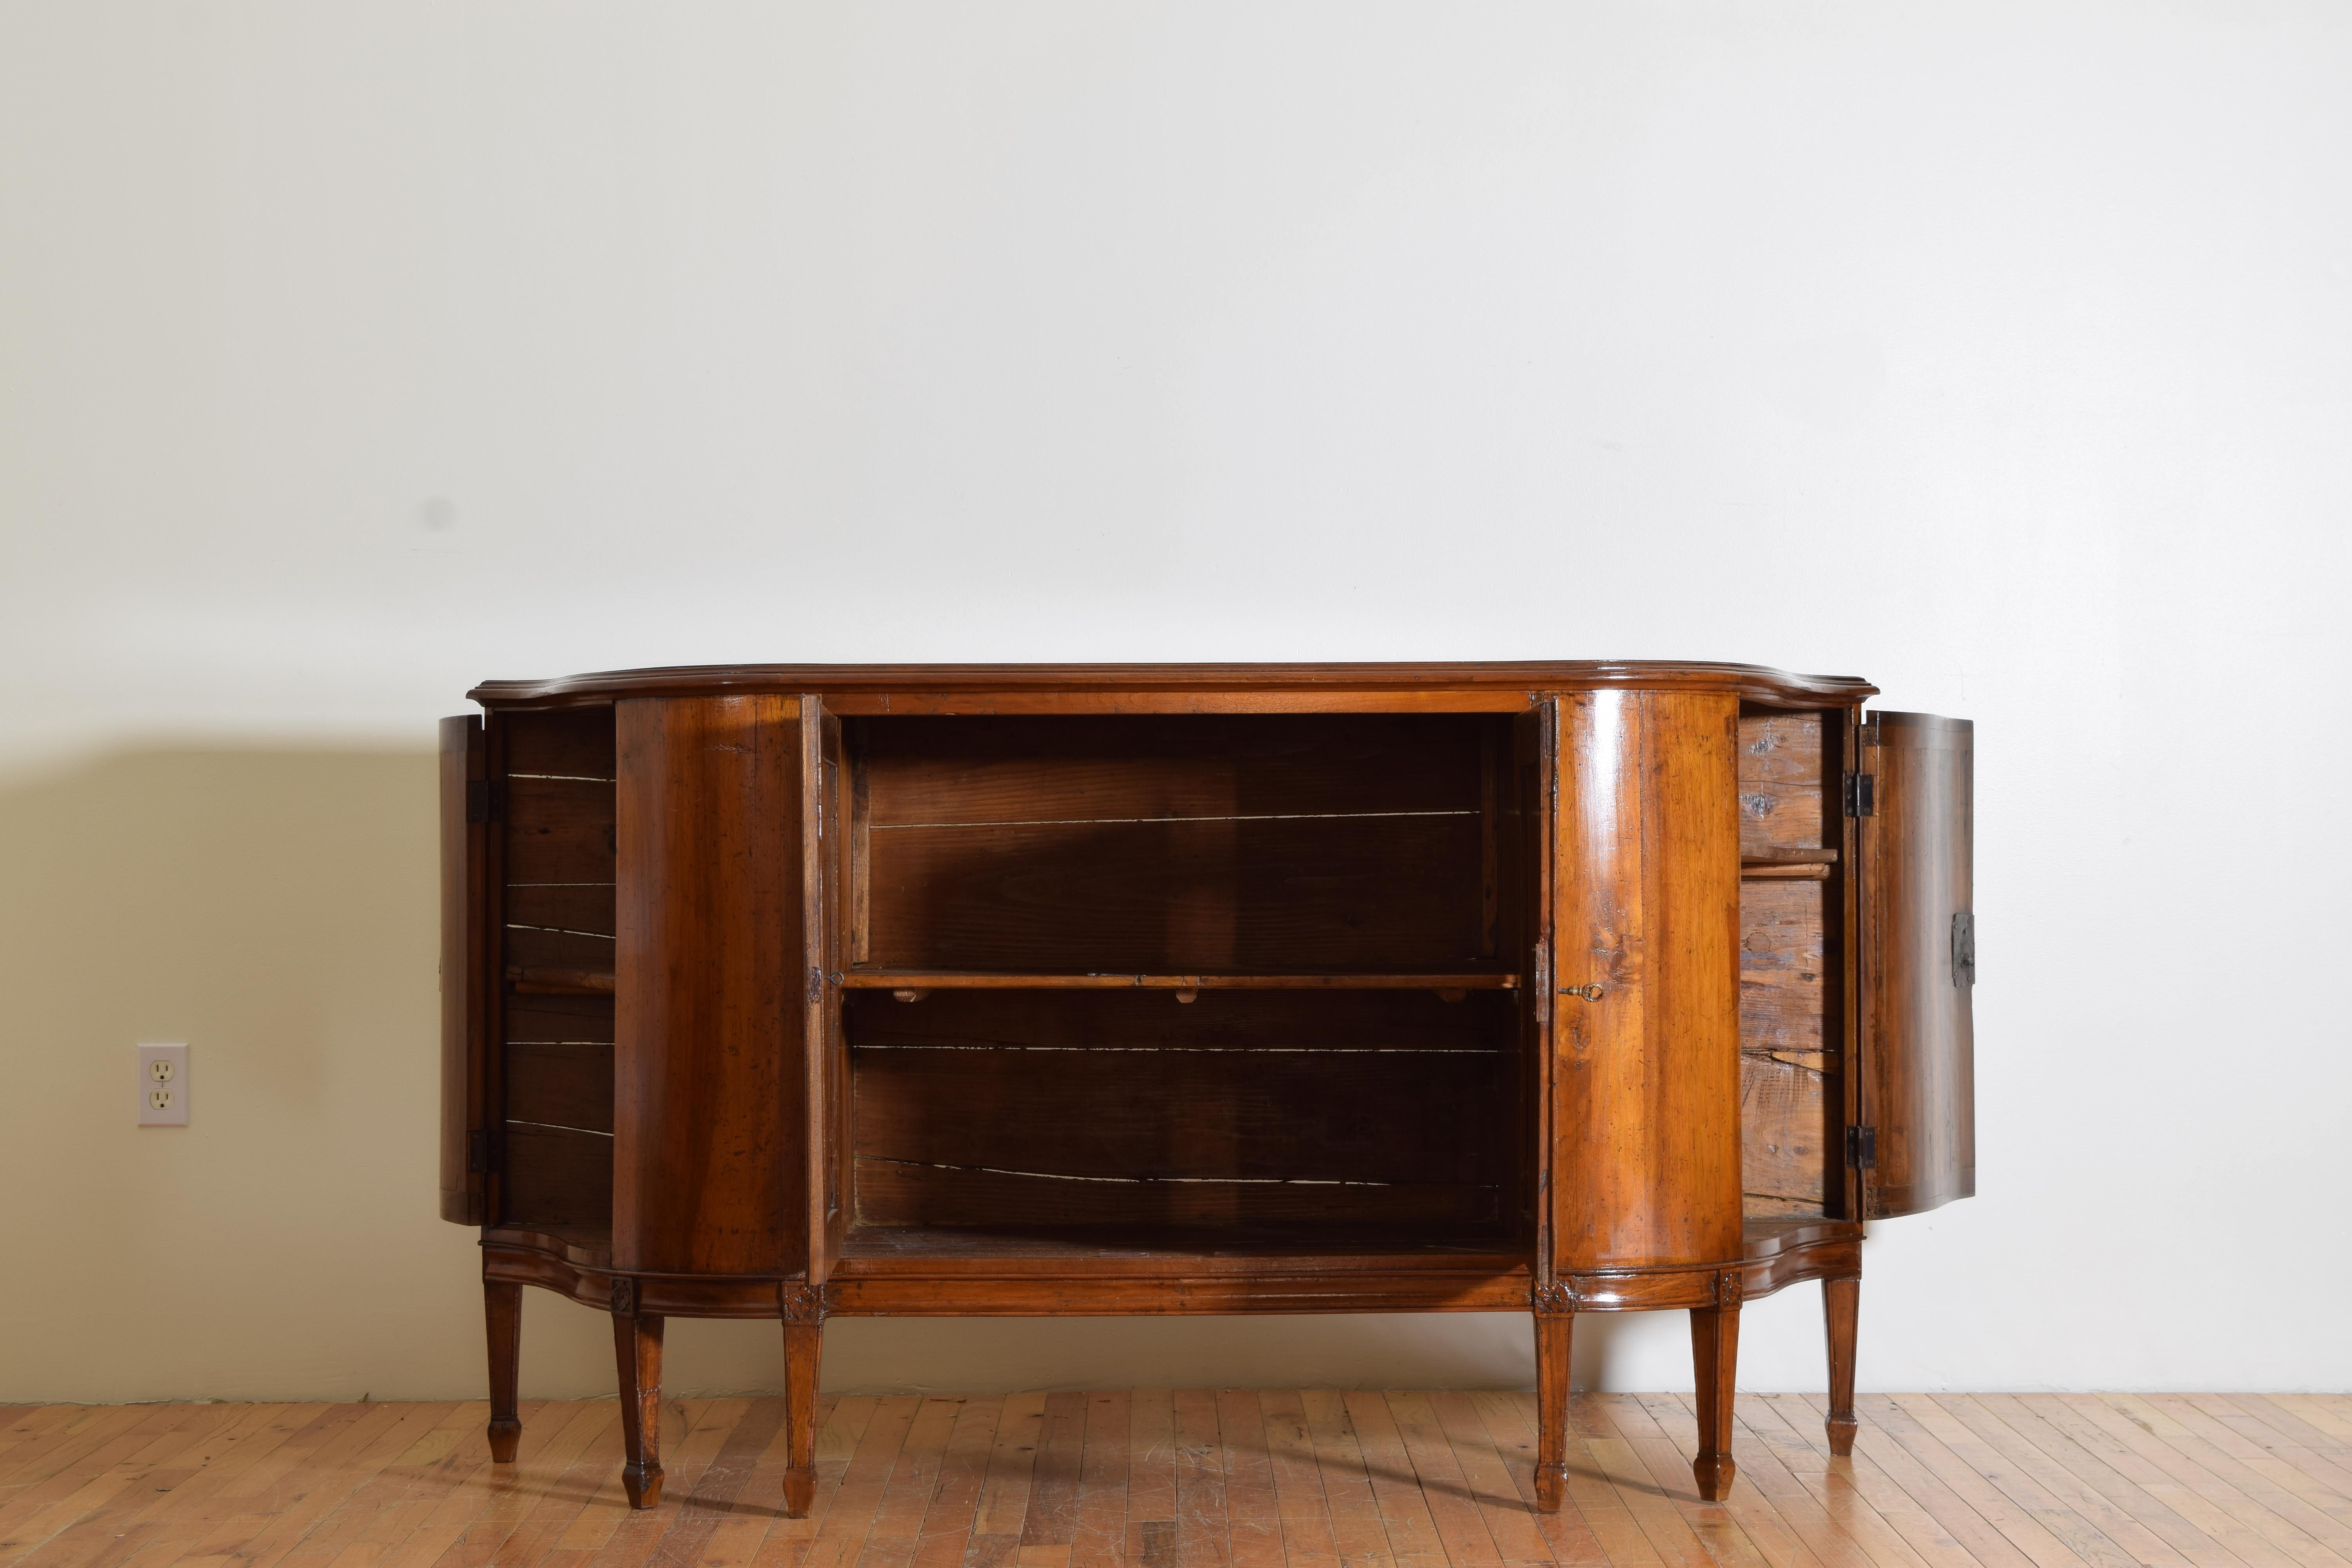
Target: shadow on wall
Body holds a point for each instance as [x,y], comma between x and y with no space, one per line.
[276,910]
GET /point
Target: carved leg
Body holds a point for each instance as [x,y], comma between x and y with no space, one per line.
[502,1310]
[1841,1304]
[1555,1334]
[1714,1357]
[803,1341]
[637,1346]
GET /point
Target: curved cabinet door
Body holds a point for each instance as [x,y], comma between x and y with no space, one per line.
[711,1066]
[464,923]
[1645,1134]
[1918,964]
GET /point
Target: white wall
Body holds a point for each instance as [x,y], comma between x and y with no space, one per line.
[348,355]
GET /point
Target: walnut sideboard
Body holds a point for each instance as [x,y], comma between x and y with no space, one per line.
[789,992]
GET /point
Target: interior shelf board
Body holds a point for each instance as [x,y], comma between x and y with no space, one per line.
[998,980]
[559,982]
[1787,865]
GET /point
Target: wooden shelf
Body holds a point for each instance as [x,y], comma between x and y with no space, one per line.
[587,983]
[559,982]
[997,980]
[1787,865]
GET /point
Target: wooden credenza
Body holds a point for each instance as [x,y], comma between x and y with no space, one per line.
[777,992]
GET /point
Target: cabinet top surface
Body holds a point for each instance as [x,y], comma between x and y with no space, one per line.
[1749,680]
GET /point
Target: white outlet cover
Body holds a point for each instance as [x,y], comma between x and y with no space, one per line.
[163,1086]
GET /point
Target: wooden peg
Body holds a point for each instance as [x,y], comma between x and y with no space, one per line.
[909,996]
[1451,994]
[1187,995]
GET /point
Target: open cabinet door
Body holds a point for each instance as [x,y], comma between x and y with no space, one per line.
[827,885]
[710,1166]
[464,902]
[1914,797]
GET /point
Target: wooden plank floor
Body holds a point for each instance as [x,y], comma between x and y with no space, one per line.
[1192,1478]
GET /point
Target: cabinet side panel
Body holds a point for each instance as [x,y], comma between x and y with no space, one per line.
[463,927]
[1919,1048]
[709,1109]
[1646,1157]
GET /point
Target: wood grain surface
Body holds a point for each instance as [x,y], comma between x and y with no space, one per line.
[1645,1150]
[710,1162]
[1131,687]
[1162,1479]
[1918,1034]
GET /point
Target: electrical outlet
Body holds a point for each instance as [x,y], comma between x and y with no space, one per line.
[163,1086]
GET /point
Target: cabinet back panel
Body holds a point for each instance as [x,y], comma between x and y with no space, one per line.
[579,909]
[1055,1021]
[1343,892]
[572,743]
[1031,1107]
[559,831]
[1790,1104]
[557,913]
[560,1085]
[1288,1116]
[982,770]
[1176,844]
[1784,978]
[1783,790]
[555,1020]
[557,1177]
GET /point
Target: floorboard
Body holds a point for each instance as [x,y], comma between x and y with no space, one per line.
[1192,1478]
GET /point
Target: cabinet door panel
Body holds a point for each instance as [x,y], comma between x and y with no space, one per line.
[710,1148]
[1918,964]
[826,883]
[465,927]
[1645,982]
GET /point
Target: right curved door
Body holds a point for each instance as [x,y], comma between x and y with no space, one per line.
[1916,1143]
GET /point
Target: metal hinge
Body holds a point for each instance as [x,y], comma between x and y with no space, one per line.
[477,1151]
[1862,1148]
[1964,948]
[1862,795]
[485,800]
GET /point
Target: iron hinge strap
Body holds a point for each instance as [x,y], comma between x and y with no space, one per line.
[1862,795]
[1862,1148]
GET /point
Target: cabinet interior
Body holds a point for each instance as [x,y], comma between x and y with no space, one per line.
[1173,980]
[1170,981]
[554,1065]
[1792,884]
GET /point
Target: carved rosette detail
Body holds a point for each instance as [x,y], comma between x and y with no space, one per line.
[1551,1297]
[1728,1289]
[801,1301]
[625,1296]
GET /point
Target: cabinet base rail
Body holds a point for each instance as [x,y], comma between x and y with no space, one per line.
[639,1304]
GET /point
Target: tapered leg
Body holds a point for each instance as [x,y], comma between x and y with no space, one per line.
[1840,1305]
[804,1342]
[1555,1334]
[637,1347]
[502,1310]
[1714,1357]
